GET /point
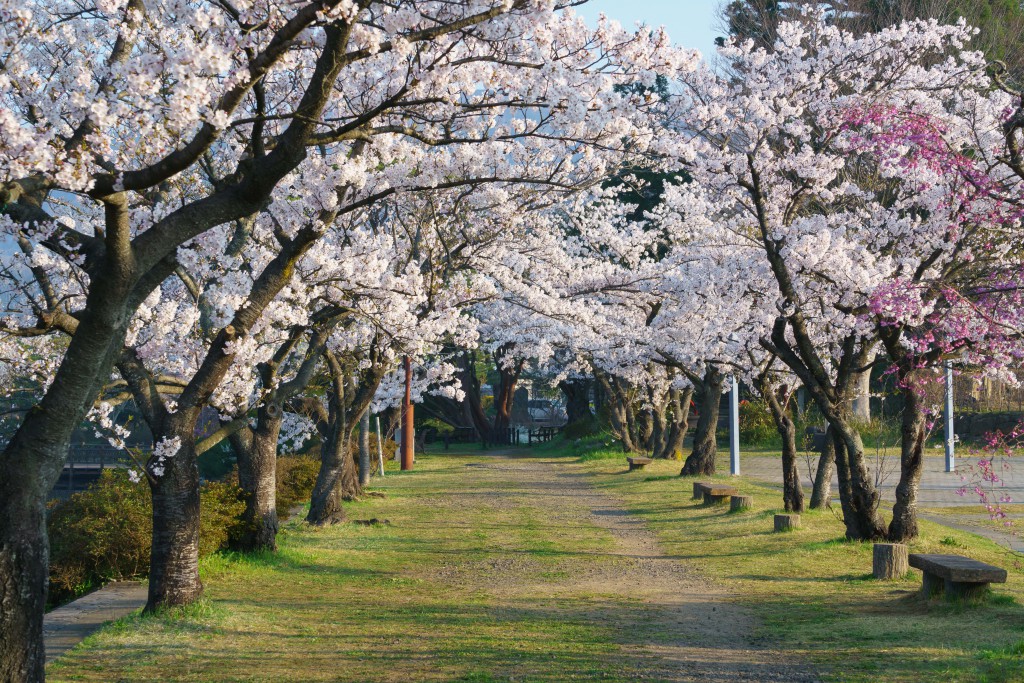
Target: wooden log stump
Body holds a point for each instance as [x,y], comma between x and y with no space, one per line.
[889,561]
[787,522]
[740,503]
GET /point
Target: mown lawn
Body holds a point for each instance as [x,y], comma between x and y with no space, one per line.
[814,592]
[379,603]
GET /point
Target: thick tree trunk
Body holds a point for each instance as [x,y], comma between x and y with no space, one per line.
[24,577]
[31,464]
[618,416]
[577,399]
[903,527]
[856,490]
[822,490]
[174,557]
[678,422]
[256,451]
[701,460]
[325,503]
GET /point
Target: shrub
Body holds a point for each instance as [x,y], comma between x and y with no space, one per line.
[104,533]
[757,428]
[581,428]
[296,475]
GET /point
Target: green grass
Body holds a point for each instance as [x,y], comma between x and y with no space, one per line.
[814,592]
[428,598]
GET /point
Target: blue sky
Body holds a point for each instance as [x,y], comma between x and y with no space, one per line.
[690,23]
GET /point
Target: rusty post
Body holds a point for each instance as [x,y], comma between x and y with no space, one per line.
[407,419]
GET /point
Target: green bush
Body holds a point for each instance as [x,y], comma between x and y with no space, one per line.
[296,475]
[757,428]
[581,428]
[104,533]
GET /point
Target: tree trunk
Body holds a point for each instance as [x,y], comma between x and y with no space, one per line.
[618,417]
[256,451]
[577,399]
[701,460]
[678,421]
[856,491]
[822,491]
[903,527]
[862,397]
[24,578]
[31,464]
[778,404]
[174,557]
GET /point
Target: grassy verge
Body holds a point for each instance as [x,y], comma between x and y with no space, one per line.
[422,599]
[814,592]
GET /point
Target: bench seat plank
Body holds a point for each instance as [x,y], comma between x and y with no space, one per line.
[957,568]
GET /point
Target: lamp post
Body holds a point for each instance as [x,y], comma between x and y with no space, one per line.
[734,427]
[948,420]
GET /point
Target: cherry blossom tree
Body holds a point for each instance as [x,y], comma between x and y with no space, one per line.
[126,134]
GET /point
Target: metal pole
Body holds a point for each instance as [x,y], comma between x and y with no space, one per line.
[380,449]
[407,419]
[948,419]
[734,427]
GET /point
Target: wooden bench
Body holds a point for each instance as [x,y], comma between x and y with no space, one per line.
[958,576]
[717,493]
[636,463]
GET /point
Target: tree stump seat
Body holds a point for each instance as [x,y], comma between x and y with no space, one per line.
[740,503]
[718,493]
[957,576]
[638,463]
[787,522]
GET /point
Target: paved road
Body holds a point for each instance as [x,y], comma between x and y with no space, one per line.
[939,489]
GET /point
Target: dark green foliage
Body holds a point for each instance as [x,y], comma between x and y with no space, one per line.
[104,533]
[757,428]
[581,428]
[296,475]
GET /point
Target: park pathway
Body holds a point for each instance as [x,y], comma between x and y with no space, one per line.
[67,626]
[677,625]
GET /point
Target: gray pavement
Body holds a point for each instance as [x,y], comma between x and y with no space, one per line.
[939,489]
[66,626]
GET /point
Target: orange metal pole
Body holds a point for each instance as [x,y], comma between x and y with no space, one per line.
[407,419]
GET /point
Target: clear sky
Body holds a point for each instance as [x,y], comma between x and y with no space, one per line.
[689,23]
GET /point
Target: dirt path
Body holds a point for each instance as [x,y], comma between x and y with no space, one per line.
[672,624]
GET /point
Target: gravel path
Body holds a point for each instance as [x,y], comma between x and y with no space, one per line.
[679,625]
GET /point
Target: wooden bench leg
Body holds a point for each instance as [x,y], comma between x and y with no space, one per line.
[714,500]
[968,592]
[932,585]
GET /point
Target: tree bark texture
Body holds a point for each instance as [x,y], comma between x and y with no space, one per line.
[577,399]
[174,557]
[822,490]
[913,428]
[778,404]
[701,460]
[256,452]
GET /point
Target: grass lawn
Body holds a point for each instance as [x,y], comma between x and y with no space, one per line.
[814,592]
[431,597]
